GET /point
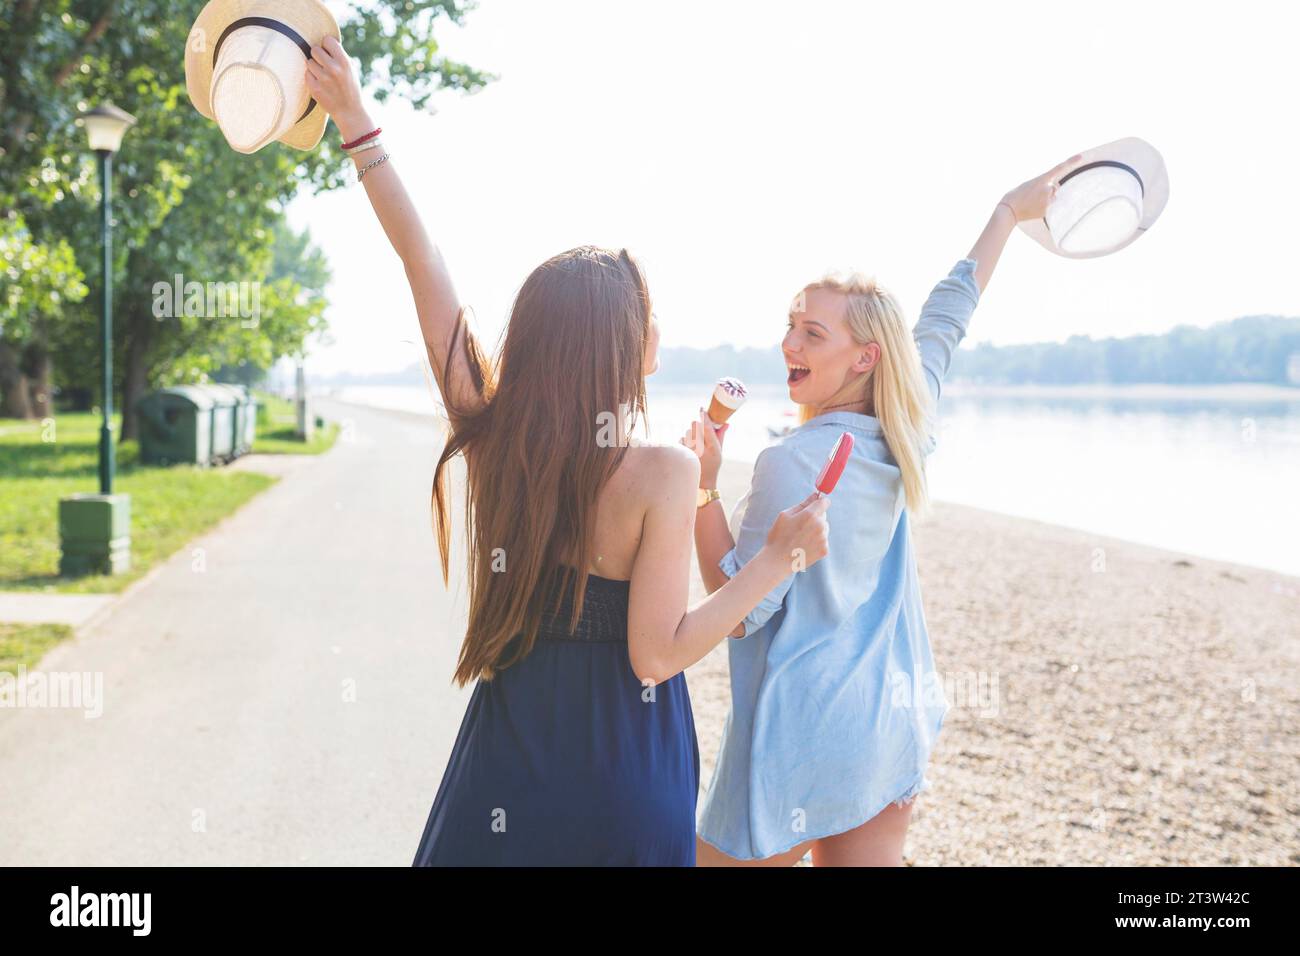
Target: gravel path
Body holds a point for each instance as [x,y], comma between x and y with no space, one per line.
[1136,707]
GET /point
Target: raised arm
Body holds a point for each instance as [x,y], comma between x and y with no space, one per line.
[1029,200]
[947,311]
[333,83]
[664,638]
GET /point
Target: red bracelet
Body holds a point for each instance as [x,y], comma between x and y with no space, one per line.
[361,139]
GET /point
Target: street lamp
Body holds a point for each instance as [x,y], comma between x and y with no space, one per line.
[105,127]
[95,530]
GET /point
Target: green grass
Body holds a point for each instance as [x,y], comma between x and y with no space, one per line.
[276,423]
[169,506]
[23,645]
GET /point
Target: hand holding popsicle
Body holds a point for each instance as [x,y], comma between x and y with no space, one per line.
[801,534]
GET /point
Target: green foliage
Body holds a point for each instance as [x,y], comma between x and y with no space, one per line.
[39,278]
[184,202]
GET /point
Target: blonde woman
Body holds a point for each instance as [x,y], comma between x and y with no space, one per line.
[835,703]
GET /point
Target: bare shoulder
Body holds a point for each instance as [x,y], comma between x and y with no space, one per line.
[657,470]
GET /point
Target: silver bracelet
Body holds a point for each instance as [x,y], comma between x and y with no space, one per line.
[362,171]
[369,144]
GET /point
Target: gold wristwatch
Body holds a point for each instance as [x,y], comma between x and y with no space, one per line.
[705,495]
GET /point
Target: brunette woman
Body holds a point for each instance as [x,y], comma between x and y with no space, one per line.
[578,745]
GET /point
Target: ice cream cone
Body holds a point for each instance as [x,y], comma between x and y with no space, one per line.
[728,395]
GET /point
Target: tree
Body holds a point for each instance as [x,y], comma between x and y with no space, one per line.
[39,280]
[184,202]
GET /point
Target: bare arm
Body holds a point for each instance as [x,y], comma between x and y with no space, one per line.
[1029,200]
[947,311]
[712,541]
[331,80]
[988,247]
[712,536]
[664,638]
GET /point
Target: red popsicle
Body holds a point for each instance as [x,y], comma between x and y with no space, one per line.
[834,467]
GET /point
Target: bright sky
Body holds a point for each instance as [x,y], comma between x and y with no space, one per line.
[740,150]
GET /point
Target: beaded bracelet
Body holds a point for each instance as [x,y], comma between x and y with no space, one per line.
[361,139]
[369,166]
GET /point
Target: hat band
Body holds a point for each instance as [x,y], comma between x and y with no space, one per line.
[278,27]
[1105,162]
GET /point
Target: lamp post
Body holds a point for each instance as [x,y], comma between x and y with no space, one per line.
[105,127]
[94,530]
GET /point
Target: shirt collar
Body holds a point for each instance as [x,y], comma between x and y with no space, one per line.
[853,421]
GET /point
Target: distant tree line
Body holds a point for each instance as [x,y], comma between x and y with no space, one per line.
[1256,348]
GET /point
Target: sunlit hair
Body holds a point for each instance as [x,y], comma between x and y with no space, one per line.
[538,451]
[895,389]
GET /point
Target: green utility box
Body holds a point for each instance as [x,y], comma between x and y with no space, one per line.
[225,402]
[176,426]
[250,419]
[196,424]
[95,534]
[244,419]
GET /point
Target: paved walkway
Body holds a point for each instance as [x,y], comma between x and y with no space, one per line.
[278,692]
[78,610]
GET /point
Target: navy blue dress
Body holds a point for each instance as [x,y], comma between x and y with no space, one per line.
[564,759]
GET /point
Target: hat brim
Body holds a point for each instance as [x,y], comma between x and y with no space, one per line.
[1150,167]
[310,19]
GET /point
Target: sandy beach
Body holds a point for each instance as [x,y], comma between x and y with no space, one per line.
[1111,704]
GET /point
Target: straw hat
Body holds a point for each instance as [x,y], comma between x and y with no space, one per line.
[1109,198]
[245,67]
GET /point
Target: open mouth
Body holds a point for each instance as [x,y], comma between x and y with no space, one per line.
[797,373]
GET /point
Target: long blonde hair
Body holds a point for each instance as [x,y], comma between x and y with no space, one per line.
[899,398]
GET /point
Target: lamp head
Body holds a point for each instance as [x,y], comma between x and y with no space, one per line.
[105,126]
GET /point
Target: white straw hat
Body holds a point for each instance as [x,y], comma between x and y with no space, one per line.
[1106,200]
[246,68]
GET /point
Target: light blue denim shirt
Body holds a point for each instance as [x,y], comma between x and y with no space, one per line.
[835,704]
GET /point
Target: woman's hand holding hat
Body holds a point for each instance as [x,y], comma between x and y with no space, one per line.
[1031,198]
[334,85]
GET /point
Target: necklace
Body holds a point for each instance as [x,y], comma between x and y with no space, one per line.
[843,405]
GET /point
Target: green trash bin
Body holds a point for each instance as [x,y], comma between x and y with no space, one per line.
[224,404]
[245,418]
[237,395]
[250,419]
[176,426]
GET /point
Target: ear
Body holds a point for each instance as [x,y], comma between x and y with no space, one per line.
[867,358]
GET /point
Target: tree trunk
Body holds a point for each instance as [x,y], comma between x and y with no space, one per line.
[135,382]
[36,366]
[15,390]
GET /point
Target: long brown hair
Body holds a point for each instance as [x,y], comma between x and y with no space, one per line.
[568,377]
